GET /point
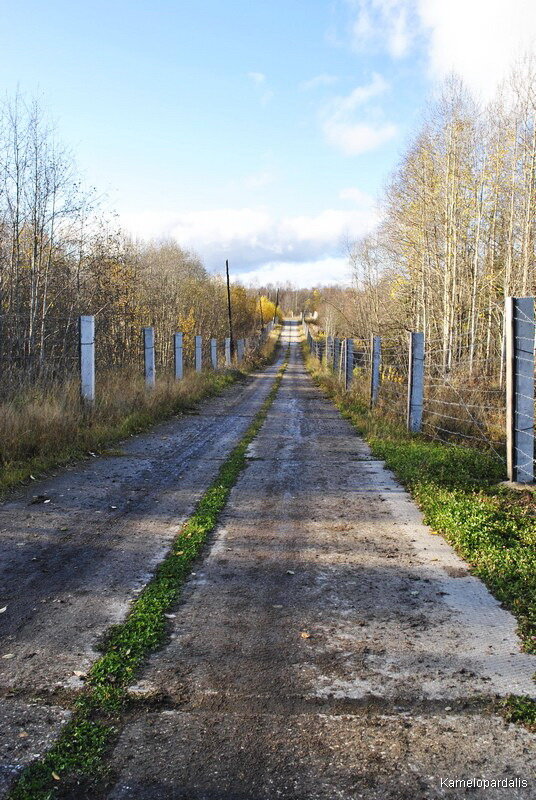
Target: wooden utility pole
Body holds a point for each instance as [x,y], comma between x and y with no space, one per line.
[229,308]
[260,309]
[276,304]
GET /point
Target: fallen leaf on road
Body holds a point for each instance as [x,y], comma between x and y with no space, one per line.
[56,776]
[23,735]
[9,655]
[170,616]
[79,674]
[290,572]
[305,635]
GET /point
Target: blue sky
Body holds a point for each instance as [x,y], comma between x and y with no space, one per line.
[261,132]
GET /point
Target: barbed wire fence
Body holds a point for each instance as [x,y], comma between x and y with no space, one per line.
[484,403]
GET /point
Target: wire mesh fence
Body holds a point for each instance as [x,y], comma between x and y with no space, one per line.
[39,354]
[484,403]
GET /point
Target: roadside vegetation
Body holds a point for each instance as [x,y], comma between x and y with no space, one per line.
[44,428]
[76,762]
[459,491]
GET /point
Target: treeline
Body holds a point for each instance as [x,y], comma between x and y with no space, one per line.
[457,233]
[60,257]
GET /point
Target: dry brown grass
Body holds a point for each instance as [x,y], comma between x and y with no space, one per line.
[41,428]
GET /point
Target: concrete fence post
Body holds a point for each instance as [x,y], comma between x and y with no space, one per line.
[375,372]
[227,351]
[336,344]
[177,356]
[198,353]
[348,362]
[519,335]
[86,340]
[148,358]
[240,350]
[329,350]
[415,382]
[214,353]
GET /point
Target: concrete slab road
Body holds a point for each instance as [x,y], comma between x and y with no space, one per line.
[71,566]
[329,646]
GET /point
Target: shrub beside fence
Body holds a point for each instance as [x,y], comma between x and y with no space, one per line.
[489,405]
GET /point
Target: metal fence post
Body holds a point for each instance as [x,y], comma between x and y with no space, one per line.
[376,360]
[214,353]
[415,382]
[519,330]
[86,341]
[198,353]
[177,356]
[148,357]
[349,363]
[227,351]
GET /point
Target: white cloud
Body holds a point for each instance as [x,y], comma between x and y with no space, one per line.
[357,196]
[259,180]
[257,77]
[478,39]
[259,80]
[382,21]
[254,239]
[348,134]
[318,81]
[322,272]
[352,139]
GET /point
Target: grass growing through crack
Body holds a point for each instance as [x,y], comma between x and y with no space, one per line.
[458,490]
[77,757]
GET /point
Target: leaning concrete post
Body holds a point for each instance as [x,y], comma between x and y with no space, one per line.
[198,353]
[415,382]
[348,362]
[227,351]
[214,353]
[177,356]
[87,359]
[376,361]
[148,357]
[519,330]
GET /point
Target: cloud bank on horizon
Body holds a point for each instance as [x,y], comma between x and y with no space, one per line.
[478,39]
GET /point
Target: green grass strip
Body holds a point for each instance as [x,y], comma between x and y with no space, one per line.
[79,753]
[459,492]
